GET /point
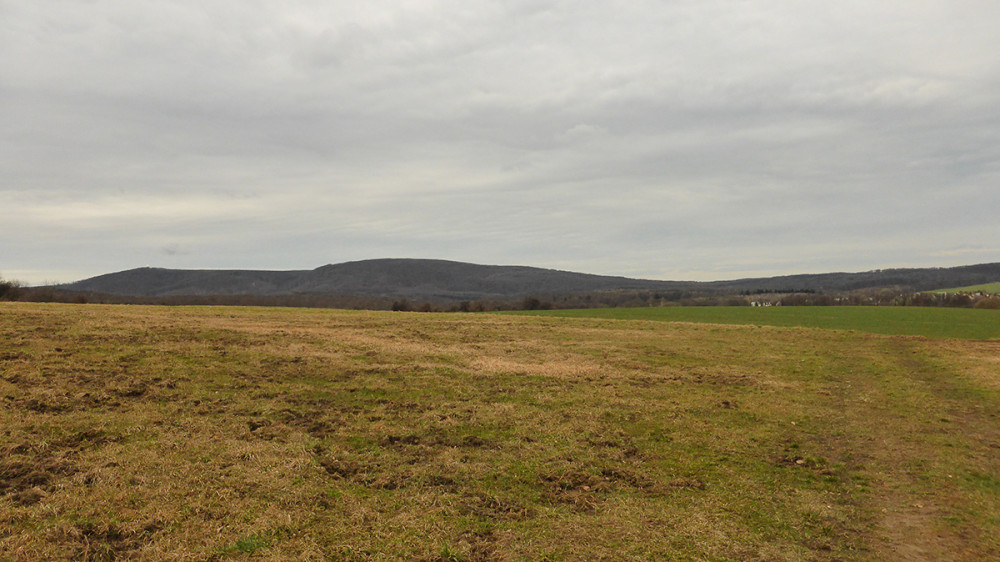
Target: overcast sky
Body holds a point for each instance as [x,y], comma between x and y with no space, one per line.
[688,139]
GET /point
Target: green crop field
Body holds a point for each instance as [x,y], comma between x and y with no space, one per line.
[912,321]
[211,433]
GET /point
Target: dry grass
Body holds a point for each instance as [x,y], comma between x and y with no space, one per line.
[213,433]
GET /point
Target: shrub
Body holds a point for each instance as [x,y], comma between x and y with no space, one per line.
[9,290]
[992,303]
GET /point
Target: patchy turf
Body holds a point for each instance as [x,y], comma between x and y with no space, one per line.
[217,433]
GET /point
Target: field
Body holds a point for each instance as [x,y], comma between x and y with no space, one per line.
[987,288]
[234,433]
[893,320]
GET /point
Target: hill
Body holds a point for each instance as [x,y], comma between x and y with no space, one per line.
[413,278]
[450,280]
[913,279]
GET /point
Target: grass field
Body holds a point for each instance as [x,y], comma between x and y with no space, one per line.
[931,322]
[986,288]
[227,433]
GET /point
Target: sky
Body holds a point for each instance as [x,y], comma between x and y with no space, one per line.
[672,139]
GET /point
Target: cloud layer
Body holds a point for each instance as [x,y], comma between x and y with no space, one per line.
[683,140]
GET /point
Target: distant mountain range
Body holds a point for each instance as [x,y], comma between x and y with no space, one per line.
[454,281]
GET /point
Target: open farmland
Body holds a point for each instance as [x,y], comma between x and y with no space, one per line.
[214,433]
[985,288]
[931,322]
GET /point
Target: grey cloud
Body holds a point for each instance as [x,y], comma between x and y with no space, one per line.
[683,139]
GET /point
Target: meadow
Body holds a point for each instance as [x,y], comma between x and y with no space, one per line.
[986,288]
[213,433]
[932,322]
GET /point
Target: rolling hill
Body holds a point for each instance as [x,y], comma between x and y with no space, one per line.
[450,280]
[413,278]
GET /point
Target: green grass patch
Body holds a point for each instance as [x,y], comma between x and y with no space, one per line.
[985,288]
[930,322]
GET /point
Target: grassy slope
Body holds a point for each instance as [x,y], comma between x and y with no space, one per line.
[304,434]
[987,288]
[913,321]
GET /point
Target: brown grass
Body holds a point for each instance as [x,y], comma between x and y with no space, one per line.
[211,433]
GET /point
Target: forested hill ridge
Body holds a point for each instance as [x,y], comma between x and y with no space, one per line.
[449,280]
[914,279]
[412,278]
